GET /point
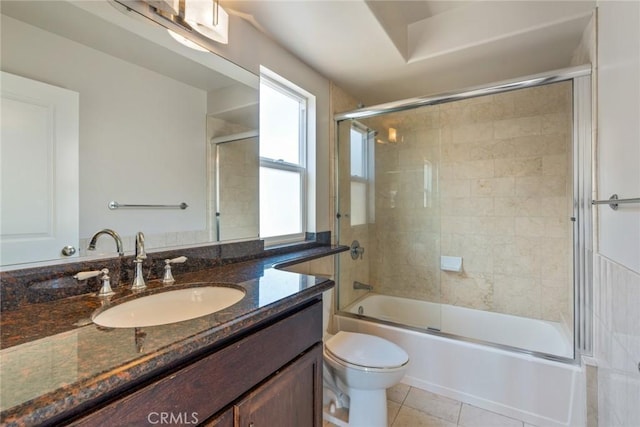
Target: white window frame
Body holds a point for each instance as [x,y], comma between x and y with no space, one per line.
[364,132]
[368,167]
[300,168]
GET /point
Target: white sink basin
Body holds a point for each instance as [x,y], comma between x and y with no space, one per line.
[169,307]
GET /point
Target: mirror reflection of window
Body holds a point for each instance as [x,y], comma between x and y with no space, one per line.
[283,130]
[361,161]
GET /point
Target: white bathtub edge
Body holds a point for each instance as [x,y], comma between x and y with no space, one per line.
[573,382]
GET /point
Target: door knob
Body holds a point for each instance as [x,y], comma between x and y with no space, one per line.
[68,250]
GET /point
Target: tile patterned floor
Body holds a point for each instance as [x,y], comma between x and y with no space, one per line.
[412,407]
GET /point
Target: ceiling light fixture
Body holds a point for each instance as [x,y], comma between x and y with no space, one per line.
[208,18]
[171,7]
[185,41]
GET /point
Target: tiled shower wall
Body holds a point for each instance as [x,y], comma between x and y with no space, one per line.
[487,179]
[616,320]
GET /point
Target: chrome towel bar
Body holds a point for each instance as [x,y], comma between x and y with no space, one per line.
[115,205]
[614,201]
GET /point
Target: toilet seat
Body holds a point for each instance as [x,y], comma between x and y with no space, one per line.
[365,352]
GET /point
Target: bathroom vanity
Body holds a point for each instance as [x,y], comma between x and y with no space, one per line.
[256,362]
[271,376]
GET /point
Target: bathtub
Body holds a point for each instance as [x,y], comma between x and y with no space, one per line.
[539,391]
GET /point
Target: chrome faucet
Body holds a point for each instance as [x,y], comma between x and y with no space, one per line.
[138,278]
[116,237]
[360,285]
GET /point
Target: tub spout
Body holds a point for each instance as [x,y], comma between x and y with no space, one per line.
[360,285]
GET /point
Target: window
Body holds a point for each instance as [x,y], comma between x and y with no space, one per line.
[283,131]
[361,155]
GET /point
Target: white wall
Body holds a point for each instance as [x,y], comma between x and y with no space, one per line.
[143,148]
[619,129]
[617,261]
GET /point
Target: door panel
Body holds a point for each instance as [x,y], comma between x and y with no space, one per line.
[290,399]
[39,170]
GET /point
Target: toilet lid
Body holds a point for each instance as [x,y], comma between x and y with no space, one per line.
[366,350]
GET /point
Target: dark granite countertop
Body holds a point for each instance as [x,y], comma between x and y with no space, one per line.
[55,361]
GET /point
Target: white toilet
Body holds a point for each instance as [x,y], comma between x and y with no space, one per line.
[363,366]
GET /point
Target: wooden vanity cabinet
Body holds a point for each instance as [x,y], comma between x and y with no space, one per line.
[269,377]
[287,399]
[291,398]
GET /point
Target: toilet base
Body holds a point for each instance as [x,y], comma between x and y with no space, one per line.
[368,408]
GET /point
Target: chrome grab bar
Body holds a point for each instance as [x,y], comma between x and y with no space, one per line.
[614,201]
[115,205]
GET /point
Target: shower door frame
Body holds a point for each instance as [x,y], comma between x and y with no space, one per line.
[582,147]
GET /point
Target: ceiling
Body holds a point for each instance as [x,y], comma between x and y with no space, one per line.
[387,50]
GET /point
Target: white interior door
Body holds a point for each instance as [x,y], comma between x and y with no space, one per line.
[38,170]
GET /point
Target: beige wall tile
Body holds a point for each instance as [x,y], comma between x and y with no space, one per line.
[517,295]
[541,186]
[473,169]
[512,128]
[466,206]
[492,226]
[557,227]
[470,290]
[555,206]
[530,226]
[556,307]
[555,165]
[455,188]
[493,187]
[556,123]
[472,133]
[526,166]
[542,100]
[456,224]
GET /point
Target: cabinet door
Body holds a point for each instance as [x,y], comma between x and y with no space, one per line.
[292,398]
[38,170]
[222,420]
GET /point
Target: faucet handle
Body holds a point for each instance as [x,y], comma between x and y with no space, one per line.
[105,290]
[357,251]
[168,276]
[84,275]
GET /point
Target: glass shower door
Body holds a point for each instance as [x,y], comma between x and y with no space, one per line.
[388,211]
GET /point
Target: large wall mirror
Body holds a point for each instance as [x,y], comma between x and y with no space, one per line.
[156,123]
